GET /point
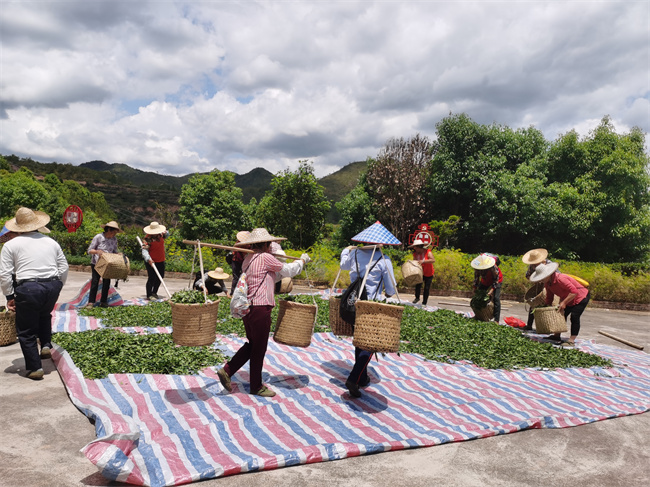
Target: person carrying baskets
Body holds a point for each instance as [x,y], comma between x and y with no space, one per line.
[260,268]
[378,270]
[425,257]
[101,243]
[574,297]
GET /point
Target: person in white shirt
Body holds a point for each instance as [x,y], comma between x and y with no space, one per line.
[33,270]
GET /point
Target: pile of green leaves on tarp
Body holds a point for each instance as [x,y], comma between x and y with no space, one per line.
[98,353]
[446,336]
[442,335]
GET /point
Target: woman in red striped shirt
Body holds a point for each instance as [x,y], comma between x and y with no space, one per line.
[260,268]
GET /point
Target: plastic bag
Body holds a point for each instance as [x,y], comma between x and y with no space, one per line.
[514,322]
[239,304]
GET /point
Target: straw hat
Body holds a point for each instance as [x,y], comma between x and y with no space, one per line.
[218,273]
[417,242]
[535,256]
[259,235]
[483,262]
[27,220]
[112,224]
[154,229]
[542,271]
[243,235]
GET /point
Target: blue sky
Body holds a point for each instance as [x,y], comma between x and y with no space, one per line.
[180,87]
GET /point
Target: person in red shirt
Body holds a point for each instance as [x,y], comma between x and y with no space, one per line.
[425,257]
[153,253]
[488,277]
[574,297]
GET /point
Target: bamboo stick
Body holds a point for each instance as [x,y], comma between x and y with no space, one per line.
[613,337]
[235,249]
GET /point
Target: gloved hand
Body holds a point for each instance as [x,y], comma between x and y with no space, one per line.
[305,258]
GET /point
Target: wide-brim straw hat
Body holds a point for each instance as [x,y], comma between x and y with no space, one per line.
[243,235]
[218,273]
[483,262]
[542,271]
[112,224]
[259,235]
[27,220]
[155,228]
[535,256]
[417,242]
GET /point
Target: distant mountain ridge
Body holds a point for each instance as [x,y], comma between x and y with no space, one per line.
[133,193]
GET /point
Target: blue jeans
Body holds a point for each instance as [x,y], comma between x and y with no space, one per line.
[34,304]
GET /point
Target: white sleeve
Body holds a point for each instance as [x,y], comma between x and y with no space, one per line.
[289,270]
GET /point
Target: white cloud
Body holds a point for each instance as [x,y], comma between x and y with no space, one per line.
[185,87]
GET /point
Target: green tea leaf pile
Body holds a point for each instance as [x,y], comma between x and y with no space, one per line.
[98,353]
[442,335]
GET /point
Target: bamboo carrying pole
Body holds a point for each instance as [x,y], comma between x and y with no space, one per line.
[157,273]
[235,249]
[613,337]
[205,291]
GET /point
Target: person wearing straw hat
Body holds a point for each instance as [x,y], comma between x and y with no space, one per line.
[574,297]
[153,253]
[533,258]
[422,254]
[488,277]
[33,270]
[379,277]
[101,243]
[260,268]
[237,260]
[213,281]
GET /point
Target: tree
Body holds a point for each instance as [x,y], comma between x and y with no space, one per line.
[397,182]
[295,207]
[610,171]
[211,207]
[356,213]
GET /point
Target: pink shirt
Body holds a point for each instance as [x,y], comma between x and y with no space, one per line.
[562,285]
[260,269]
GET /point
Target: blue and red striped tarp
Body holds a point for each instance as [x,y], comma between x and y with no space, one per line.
[161,430]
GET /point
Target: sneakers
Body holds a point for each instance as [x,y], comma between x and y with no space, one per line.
[366,383]
[46,352]
[35,374]
[224,378]
[353,388]
[416,300]
[89,305]
[568,344]
[265,392]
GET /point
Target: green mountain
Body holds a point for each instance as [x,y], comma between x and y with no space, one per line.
[135,195]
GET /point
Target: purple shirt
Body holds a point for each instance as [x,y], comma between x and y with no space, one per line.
[100,242]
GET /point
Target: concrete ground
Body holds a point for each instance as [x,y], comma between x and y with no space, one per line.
[41,432]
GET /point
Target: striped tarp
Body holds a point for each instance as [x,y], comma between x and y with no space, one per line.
[168,430]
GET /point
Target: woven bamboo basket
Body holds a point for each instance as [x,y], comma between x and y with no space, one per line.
[286,285]
[484,314]
[412,273]
[113,266]
[295,323]
[377,326]
[8,328]
[536,295]
[338,325]
[549,320]
[194,325]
